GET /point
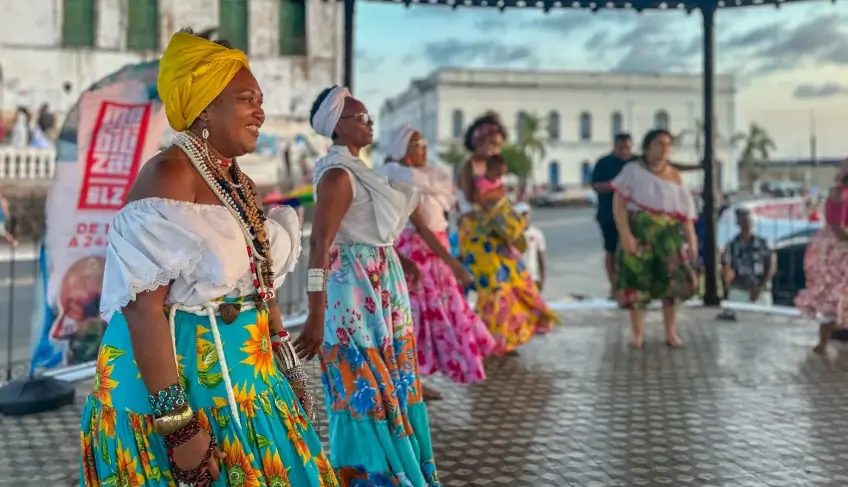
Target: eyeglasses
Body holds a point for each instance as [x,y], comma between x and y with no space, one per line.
[422,142]
[364,118]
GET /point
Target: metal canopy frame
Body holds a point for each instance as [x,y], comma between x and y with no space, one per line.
[708,9]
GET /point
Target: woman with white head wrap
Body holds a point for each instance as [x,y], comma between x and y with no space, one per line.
[360,321]
[451,338]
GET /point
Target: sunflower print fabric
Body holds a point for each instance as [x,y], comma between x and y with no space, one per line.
[274,447]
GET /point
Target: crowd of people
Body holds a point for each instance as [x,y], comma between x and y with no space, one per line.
[212,391]
[25,131]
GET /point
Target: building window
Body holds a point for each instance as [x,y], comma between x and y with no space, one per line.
[233,18]
[586,126]
[553,125]
[292,27]
[661,120]
[457,124]
[79,18]
[617,124]
[521,125]
[143,25]
[586,173]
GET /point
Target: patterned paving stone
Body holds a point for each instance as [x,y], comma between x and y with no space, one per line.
[745,404]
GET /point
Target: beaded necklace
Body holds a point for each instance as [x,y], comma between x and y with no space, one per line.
[242,204]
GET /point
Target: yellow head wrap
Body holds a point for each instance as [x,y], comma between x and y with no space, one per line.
[192,72]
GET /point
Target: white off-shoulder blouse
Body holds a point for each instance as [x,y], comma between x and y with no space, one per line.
[198,248]
[644,191]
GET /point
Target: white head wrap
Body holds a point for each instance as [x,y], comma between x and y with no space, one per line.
[400,143]
[327,116]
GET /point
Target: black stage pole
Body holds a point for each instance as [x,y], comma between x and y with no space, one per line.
[711,298]
[349,11]
[33,394]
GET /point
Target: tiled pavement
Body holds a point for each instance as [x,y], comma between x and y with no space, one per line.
[745,404]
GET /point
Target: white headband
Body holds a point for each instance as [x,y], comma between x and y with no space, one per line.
[400,143]
[327,116]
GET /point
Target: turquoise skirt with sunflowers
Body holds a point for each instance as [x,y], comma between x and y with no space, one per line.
[269,443]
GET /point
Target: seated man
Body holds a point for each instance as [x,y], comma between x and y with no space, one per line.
[748,265]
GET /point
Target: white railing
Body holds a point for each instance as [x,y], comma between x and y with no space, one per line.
[27,164]
[40,164]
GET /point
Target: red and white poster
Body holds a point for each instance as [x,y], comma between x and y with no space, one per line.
[119,128]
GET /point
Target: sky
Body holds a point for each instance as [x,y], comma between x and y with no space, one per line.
[791,63]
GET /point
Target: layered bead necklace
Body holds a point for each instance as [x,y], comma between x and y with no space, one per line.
[239,197]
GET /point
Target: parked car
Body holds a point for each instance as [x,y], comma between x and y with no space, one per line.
[567,196]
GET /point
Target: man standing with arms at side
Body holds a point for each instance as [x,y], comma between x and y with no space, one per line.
[606,169]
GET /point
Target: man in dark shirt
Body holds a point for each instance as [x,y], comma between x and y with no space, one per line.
[606,169]
[749,264]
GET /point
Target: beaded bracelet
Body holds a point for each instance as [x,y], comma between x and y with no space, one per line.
[197,477]
[168,400]
[183,434]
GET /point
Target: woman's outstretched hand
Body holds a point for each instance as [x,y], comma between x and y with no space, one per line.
[311,338]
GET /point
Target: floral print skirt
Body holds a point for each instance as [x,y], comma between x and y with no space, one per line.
[508,300]
[272,443]
[825,297]
[451,338]
[379,432]
[661,269]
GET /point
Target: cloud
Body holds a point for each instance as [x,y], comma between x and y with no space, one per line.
[823,90]
[454,52]
[646,44]
[567,22]
[490,22]
[773,47]
[368,59]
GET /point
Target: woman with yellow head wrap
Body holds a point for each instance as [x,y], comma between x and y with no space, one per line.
[210,390]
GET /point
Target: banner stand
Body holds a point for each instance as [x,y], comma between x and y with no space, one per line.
[33,395]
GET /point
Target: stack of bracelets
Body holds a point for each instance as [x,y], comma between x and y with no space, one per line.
[175,421]
[289,364]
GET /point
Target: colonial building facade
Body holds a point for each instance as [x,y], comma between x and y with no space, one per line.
[579,113]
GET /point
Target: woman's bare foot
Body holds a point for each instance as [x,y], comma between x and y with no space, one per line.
[635,342]
[825,332]
[674,341]
[430,394]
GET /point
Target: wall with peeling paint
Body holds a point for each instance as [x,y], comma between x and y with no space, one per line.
[35,66]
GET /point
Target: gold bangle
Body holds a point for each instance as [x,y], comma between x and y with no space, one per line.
[170,423]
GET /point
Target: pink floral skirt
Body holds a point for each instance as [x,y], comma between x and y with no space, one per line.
[450,337]
[826,271]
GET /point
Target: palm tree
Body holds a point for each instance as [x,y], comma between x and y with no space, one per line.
[531,142]
[517,161]
[455,154]
[758,146]
[529,128]
[698,133]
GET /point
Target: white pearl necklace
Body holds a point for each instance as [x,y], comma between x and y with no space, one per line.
[188,144]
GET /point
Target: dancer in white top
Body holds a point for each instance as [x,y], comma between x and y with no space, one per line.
[197,381]
[451,338]
[359,318]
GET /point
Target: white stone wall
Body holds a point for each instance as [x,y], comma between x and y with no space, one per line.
[34,65]
[636,97]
